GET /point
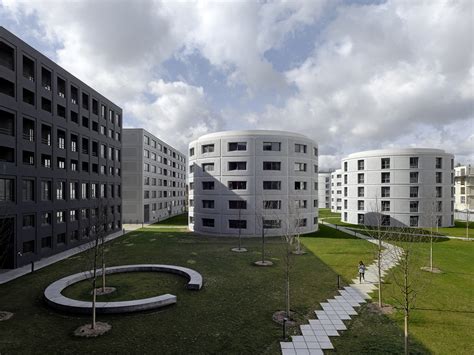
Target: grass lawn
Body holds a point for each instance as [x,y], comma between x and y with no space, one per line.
[231,314]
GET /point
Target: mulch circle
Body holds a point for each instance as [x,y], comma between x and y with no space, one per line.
[281,315]
[4,315]
[86,331]
[104,291]
[435,270]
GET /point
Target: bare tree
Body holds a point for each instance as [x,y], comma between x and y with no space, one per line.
[407,279]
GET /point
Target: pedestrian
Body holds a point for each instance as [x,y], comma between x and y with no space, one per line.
[361,271]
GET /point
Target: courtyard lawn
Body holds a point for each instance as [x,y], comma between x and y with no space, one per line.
[326,212]
[231,314]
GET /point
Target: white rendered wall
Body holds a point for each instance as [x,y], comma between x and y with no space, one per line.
[324,190]
[399,200]
[254,176]
[336,191]
[464,188]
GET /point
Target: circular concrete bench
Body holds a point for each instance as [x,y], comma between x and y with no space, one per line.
[55,299]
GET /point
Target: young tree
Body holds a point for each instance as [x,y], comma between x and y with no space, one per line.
[239,249]
[262,222]
[406,277]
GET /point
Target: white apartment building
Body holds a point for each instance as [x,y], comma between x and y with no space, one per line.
[324,190]
[464,188]
[246,181]
[399,187]
[336,191]
[153,178]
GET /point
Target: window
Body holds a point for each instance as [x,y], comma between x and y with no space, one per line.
[28,68]
[360,218]
[385,206]
[439,206]
[360,165]
[207,222]
[439,191]
[300,185]
[385,163]
[271,223]
[385,191]
[385,177]
[414,206]
[208,185]
[345,179]
[46,104]
[46,190]
[74,95]
[439,163]
[84,191]
[345,168]
[315,152]
[207,203]
[207,148]
[237,224]
[300,148]
[73,193]
[60,190]
[234,146]
[272,185]
[271,204]
[237,185]
[60,216]
[439,177]
[208,166]
[191,152]
[237,205]
[28,247]
[413,162]
[414,221]
[360,178]
[7,56]
[73,215]
[300,166]
[28,221]
[302,222]
[414,177]
[272,146]
[360,192]
[46,218]
[237,165]
[360,205]
[301,203]
[271,165]
[6,190]
[73,143]
[28,190]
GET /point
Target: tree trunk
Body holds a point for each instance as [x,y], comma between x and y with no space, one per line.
[288,256]
[94,295]
[379,271]
[431,253]
[103,277]
[406,332]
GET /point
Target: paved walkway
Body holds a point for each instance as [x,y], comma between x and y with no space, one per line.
[9,275]
[329,321]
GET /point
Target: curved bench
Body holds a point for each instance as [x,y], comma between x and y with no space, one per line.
[55,299]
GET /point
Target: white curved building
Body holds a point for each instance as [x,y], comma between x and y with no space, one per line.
[243,180]
[409,187]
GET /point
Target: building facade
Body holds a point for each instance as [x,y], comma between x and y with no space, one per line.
[399,187]
[324,190]
[336,191]
[60,152]
[464,188]
[249,181]
[153,178]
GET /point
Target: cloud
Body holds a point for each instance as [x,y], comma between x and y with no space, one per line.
[177,112]
[382,72]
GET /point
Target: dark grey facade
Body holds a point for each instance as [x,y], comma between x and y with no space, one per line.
[60,152]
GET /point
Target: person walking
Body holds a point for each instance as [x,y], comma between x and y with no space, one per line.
[361,271]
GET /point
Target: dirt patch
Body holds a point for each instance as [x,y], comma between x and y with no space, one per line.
[298,252]
[87,332]
[4,315]
[279,317]
[263,263]
[434,270]
[191,261]
[386,308]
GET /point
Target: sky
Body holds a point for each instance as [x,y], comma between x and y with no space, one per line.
[352,75]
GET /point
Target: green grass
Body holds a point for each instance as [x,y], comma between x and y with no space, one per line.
[231,314]
[326,212]
[179,220]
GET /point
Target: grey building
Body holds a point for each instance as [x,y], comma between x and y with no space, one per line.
[154,178]
[60,151]
[324,190]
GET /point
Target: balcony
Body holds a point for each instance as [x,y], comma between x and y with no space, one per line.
[7,56]
[46,79]
[28,68]
[7,154]
[7,87]
[7,123]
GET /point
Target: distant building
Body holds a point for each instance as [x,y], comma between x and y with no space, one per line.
[399,187]
[243,181]
[464,188]
[153,178]
[324,190]
[60,151]
[336,191]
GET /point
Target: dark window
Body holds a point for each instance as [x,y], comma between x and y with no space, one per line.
[439,163]
[46,193]
[207,203]
[74,117]
[191,152]
[208,166]
[237,185]
[61,111]
[46,79]
[272,205]
[28,247]
[85,101]
[272,146]
[413,177]
[385,163]
[360,165]
[208,222]
[237,165]
[237,205]
[385,177]
[7,123]
[61,87]
[237,224]
[208,185]
[46,104]
[207,148]
[413,162]
[28,96]
[271,165]
[28,68]
[46,242]
[7,154]
[271,223]
[272,185]
[74,95]
[28,190]
[7,56]
[7,190]
[7,87]
[237,146]
[61,238]
[385,191]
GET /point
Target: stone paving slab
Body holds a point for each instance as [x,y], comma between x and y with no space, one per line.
[330,319]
